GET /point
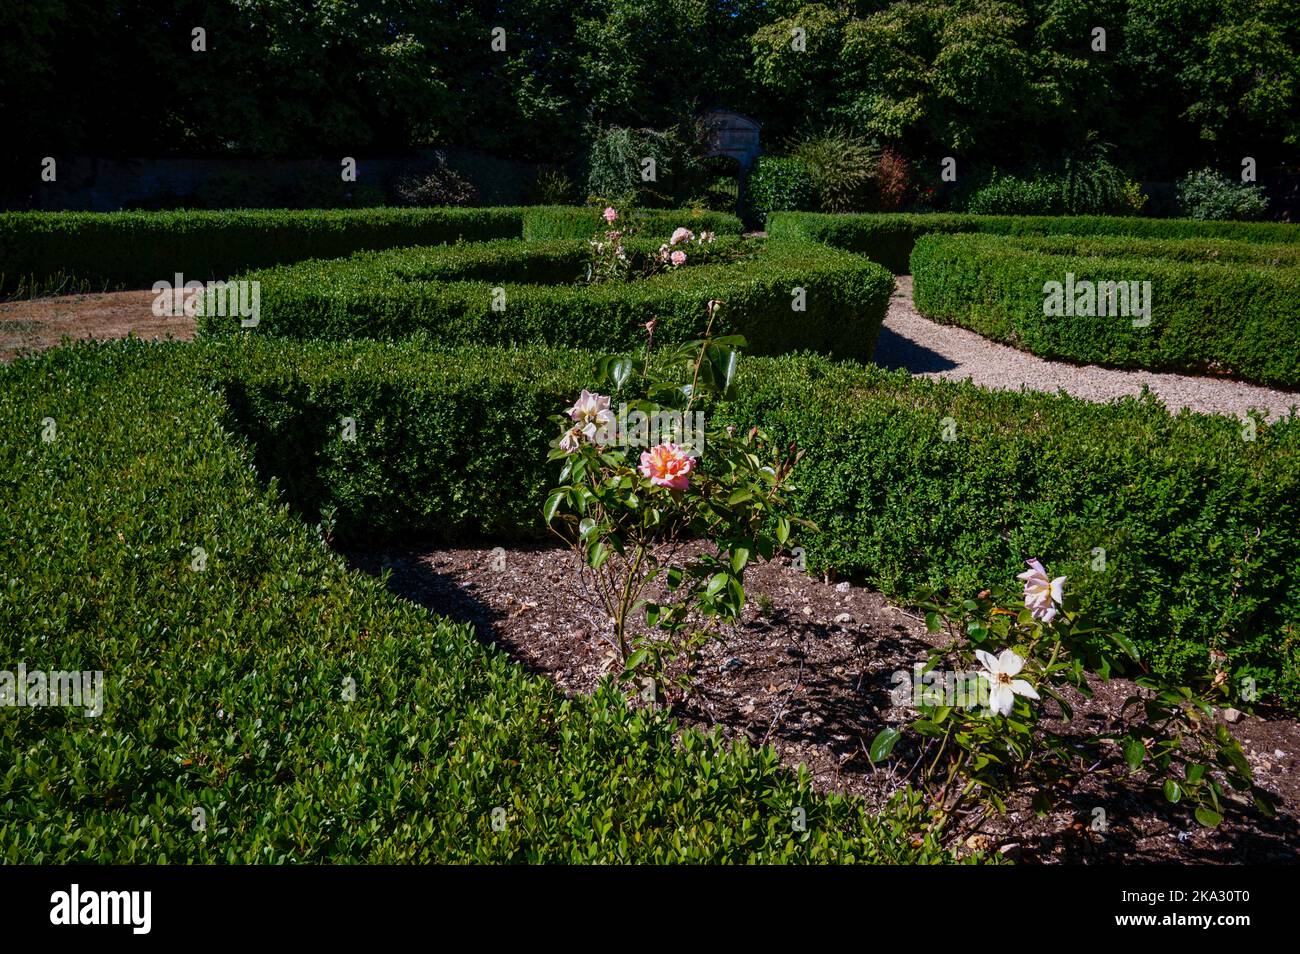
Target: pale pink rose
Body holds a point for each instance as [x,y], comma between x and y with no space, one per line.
[681,235]
[667,465]
[591,415]
[1042,595]
[571,440]
[678,257]
[610,214]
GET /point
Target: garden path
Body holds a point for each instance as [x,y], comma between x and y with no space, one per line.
[932,350]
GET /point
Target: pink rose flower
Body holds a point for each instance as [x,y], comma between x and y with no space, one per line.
[681,235]
[592,416]
[678,257]
[1042,594]
[610,214]
[667,465]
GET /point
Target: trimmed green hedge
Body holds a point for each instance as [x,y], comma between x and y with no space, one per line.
[1203,251]
[542,223]
[1200,528]
[1239,315]
[448,294]
[888,239]
[74,251]
[228,685]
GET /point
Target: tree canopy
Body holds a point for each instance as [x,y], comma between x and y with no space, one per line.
[1175,83]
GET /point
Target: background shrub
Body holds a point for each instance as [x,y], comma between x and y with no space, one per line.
[554,187]
[615,163]
[436,184]
[840,166]
[778,184]
[1205,194]
[1237,316]
[891,181]
[1079,187]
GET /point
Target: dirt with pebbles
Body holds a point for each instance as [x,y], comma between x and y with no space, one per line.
[810,671]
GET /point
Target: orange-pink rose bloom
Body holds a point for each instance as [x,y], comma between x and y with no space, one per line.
[667,465]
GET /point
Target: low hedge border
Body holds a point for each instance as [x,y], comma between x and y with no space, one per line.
[1240,315]
[399,293]
[1196,251]
[888,238]
[545,223]
[225,680]
[76,251]
[1200,529]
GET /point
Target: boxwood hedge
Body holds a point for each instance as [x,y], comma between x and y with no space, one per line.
[580,222]
[1224,307]
[888,239]
[448,294]
[1181,531]
[298,709]
[74,251]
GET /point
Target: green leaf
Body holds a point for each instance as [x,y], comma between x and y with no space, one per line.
[553,504]
[1208,817]
[1134,752]
[1126,644]
[739,557]
[883,744]
[1172,791]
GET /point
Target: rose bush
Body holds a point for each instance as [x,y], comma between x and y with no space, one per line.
[612,262]
[987,727]
[651,494]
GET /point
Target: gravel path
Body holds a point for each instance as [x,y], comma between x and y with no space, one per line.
[931,350]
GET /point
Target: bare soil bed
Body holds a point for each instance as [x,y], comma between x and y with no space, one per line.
[809,672]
